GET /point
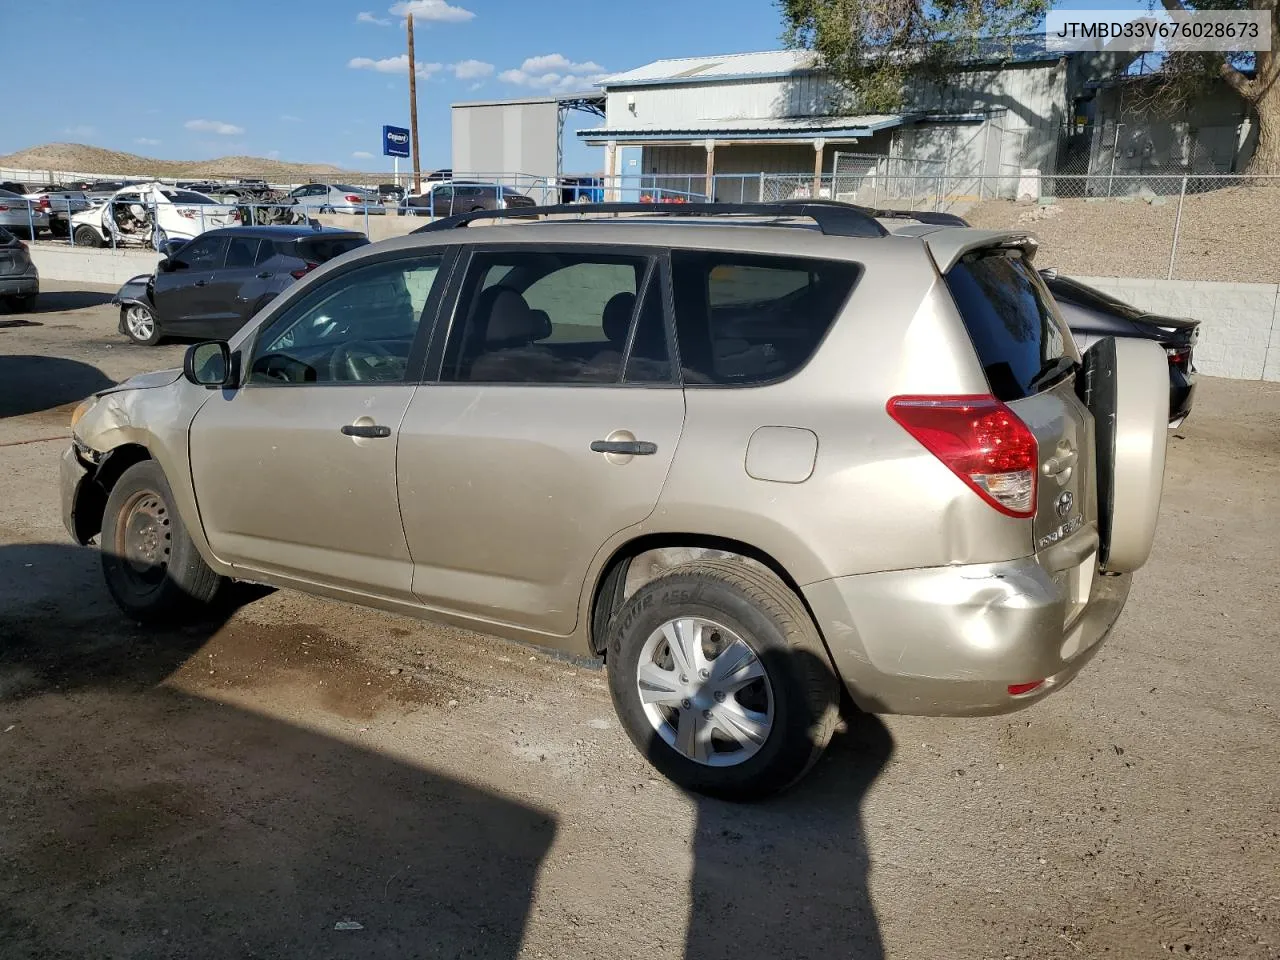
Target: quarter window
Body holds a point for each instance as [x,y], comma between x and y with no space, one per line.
[744,319]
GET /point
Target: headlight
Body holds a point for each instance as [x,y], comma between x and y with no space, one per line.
[84,407]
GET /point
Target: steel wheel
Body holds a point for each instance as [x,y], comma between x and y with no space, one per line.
[140,323]
[144,538]
[705,692]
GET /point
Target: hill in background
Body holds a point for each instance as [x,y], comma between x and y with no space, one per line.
[80,158]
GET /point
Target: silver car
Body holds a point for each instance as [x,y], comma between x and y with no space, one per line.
[19,278]
[751,459]
[318,198]
[21,216]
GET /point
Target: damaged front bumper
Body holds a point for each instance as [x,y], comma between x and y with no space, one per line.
[82,496]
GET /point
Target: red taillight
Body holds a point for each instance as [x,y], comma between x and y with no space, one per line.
[1018,689]
[299,274]
[352,198]
[3,208]
[1178,357]
[983,443]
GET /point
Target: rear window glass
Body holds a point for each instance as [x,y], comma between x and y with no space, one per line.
[1010,319]
[745,319]
[324,249]
[187,196]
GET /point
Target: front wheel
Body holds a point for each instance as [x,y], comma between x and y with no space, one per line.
[140,324]
[719,677]
[152,568]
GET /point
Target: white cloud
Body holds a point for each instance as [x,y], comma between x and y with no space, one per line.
[147,142]
[363,155]
[471,69]
[398,64]
[290,118]
[437,10]
[80,130]
[214,126]
[553,71]
[366,17]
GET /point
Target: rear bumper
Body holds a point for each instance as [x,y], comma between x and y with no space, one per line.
[949,641]
[20,286]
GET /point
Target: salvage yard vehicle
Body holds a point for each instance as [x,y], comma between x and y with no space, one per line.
[19,278]
[209,286]
[60,204]
[448,197]
[318,198]
[753,456]
[1092,314]
[150,214]
[21,216]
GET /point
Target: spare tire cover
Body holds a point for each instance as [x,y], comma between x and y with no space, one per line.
[1126,387]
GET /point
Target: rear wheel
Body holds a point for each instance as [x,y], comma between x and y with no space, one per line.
[23,304]
[152,568]
[140,324]
[86,236]
[719,677]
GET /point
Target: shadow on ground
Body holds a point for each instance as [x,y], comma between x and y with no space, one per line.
[789,878]
[31,384]
[143,821]
[53,301]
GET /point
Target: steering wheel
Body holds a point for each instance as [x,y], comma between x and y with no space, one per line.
[363,360]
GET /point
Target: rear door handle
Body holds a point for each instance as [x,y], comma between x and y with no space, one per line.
[264,275]
[630,448]
[369,431]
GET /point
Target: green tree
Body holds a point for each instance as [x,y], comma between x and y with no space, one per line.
[872,48]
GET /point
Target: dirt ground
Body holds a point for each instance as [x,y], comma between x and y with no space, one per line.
[258,786]
[1225,234]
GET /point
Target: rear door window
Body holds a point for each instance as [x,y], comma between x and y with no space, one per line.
[1017,333]
[746,319]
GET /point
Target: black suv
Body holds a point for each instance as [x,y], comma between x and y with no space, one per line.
[209,286]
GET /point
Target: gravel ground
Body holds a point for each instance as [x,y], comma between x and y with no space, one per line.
[262,784]
[1226,234]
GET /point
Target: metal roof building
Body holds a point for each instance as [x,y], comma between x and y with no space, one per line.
[713,122]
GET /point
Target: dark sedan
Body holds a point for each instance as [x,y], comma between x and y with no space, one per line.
[210,286]
[1092,314]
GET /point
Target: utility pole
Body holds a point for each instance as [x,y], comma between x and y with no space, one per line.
[413,111]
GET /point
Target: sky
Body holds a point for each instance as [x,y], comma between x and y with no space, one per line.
[315,80]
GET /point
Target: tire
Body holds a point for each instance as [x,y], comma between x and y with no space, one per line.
[791,711]
[86,236]
[140,324]
[23,304]
[152,569]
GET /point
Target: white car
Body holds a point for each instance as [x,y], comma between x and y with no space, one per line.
[150,214]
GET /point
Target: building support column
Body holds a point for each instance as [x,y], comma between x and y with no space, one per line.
[819,145]
[610,171]
[710,188]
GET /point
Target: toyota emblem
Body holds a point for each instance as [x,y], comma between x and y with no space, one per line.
[1064,503]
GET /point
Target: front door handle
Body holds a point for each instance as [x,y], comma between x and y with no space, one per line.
[366,431]
[265,274]
[626,448]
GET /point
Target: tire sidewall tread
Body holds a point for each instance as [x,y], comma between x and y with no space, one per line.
[774,622]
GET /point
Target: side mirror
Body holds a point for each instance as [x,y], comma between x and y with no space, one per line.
[208,364]
[165,265]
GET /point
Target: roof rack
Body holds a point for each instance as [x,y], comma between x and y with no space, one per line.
[833,219]
[922,216]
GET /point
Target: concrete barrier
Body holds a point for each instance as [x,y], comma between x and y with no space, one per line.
[91,265]
[1239,322]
